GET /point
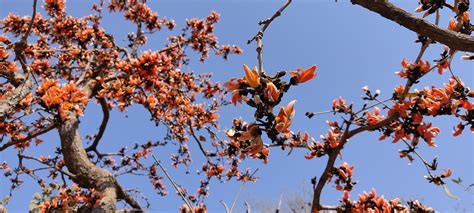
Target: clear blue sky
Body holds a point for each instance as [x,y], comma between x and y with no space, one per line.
[352,48]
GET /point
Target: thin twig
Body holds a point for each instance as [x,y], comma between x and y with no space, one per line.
[72,176]
[237,197]
[259,36]
[178,188]
[201,147]
[30,27]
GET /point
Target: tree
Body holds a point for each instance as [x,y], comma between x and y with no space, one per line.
[68,62]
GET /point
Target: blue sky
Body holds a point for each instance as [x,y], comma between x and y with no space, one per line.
[352,48]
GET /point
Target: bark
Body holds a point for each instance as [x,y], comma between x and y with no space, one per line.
[454,40]
[8,104]
[87,174]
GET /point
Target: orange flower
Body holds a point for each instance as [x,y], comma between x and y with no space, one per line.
[271,92]
[374,117]
[233,84]
[399,89]
[284,118]
[253,134]
[457,130]
[446,173]
[251,76]
[236,97]
[417,118]
[152,101]
[305,75]
[3,54]
[452,25]
[465,17]
[442,66]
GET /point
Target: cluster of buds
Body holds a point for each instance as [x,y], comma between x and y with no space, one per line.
[343,176]
[263,93]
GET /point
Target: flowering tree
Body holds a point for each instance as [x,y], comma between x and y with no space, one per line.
[54,66]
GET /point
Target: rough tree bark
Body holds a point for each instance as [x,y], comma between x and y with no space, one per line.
[454,40]
[88,175]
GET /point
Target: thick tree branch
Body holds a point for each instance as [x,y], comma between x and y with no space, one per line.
[88,174]
[452,39]
[9,103]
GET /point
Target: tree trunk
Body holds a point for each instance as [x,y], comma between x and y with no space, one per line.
[88,175]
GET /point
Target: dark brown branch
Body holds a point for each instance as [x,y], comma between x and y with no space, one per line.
[103,125]
[198,142]
[25,37]
[452,39]
[28,137]
[316,205]
[70,175]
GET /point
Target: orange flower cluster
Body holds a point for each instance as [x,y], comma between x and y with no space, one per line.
[246,139]
[201,208]
[330,141]
[343,177]
[66,98]
[18,26]
[140,13]
[71,198]
[339,105]
[414,71]
[7,65]
[55,7]
[263,93]
[373,203]
[213,170]
[373,117]
[433,101]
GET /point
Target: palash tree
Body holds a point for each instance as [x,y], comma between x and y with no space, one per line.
[53,66]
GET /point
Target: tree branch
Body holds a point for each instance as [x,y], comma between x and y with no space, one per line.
[30,136]
[259,36]
[452,39]
[178,188]
[103,125]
